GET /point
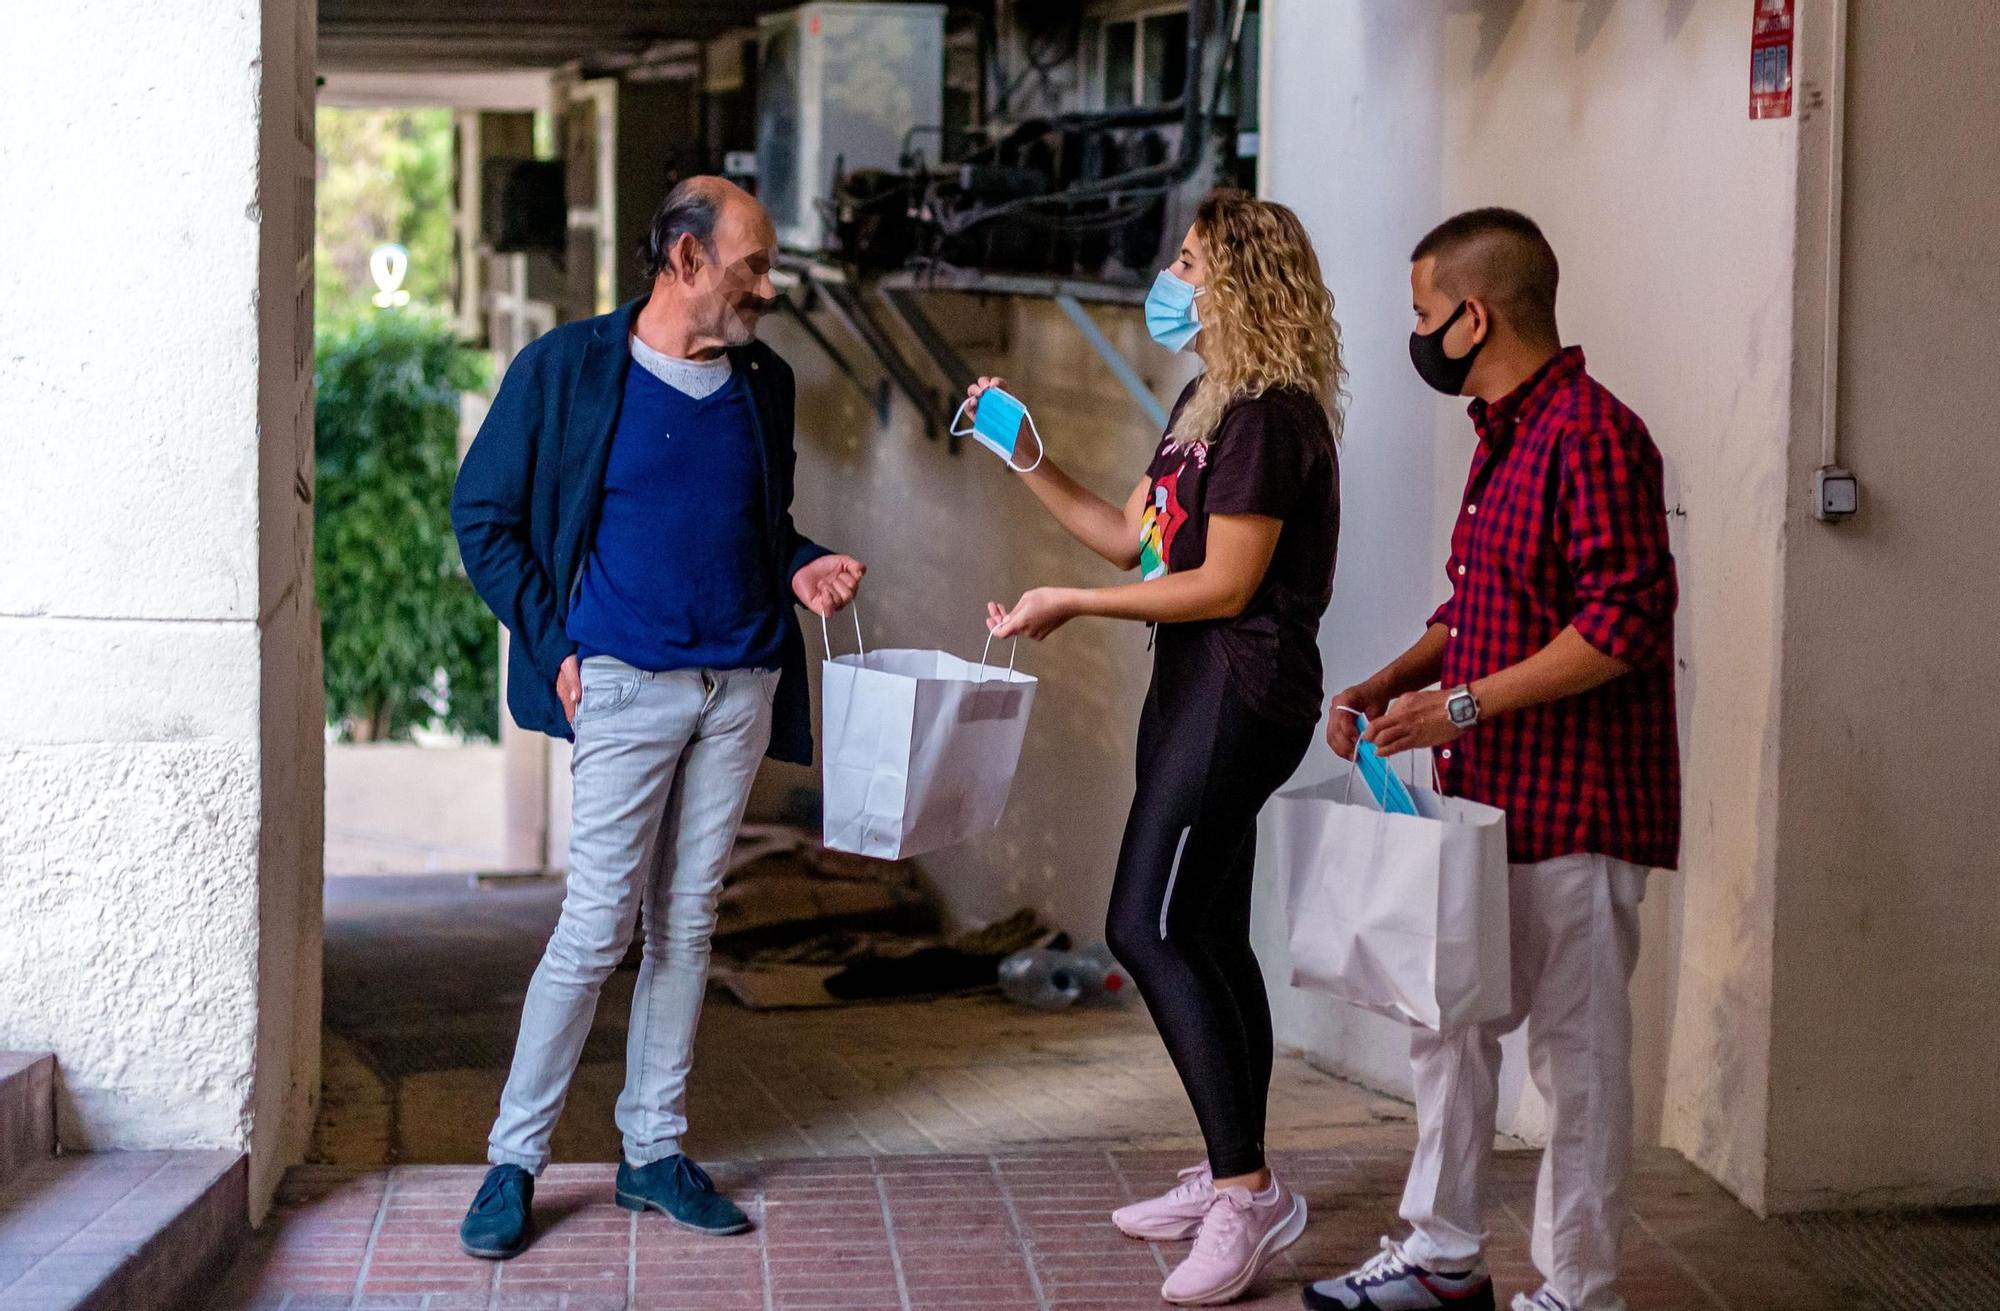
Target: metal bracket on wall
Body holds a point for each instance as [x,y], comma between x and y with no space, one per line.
[801,314]
[861,321]
[944,356]
[851,303]
[1108,351]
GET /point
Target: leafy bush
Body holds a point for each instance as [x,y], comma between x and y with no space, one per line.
[406,638]
[384,175]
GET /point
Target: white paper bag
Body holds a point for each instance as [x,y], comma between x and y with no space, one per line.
[1404,915]
[920,748]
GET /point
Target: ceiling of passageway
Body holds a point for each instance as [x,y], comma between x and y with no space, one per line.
[476,34]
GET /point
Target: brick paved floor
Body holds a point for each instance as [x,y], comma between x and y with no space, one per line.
[1015,1232]
[957,1154]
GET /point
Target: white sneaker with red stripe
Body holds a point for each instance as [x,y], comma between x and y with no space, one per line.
[1393,1282]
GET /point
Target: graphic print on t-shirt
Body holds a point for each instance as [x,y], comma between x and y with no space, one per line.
[1158,527]
[1272,456]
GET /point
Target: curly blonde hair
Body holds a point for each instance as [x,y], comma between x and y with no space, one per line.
[1266,315]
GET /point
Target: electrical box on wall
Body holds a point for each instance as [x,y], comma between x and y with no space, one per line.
[1836,494]
[840,86]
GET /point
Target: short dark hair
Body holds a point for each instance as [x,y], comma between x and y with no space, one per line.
[1499,256]
[692,208]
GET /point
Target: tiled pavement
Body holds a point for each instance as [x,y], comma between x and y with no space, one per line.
[958,1154]
[1014,1232]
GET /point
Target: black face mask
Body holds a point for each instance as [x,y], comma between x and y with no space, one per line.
[1437,368]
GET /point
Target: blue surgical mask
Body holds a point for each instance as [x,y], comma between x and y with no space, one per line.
[1388,790]
[996,425]
[1170,315]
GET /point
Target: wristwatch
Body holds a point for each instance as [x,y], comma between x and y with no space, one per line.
[1461,707]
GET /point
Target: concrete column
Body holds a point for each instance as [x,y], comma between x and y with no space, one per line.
[160,736]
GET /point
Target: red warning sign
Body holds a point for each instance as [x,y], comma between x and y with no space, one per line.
[1771,60]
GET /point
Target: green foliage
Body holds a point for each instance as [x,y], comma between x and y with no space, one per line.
[384,175]
[396,607]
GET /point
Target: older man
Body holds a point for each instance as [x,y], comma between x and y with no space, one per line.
[626,511]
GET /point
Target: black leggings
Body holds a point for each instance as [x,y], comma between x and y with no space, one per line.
[1180,906]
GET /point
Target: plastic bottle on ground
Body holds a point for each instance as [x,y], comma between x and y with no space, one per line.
[1050,980]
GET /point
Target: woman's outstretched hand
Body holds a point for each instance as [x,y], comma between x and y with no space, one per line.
[1037,614]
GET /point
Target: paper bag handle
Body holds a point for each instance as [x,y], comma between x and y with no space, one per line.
[826,637]
[987,650]
[1354,767]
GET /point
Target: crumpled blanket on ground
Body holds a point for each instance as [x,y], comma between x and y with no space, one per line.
[799,925]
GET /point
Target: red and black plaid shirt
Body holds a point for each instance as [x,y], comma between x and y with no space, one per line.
[1564,523]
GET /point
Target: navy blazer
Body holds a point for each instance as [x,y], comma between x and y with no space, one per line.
[526,503]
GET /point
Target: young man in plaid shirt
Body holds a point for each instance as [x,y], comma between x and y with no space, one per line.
[1555,653]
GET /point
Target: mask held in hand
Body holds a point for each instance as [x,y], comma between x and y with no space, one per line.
[1388,790]
[996,425]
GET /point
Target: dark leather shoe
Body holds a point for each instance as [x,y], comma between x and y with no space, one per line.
[497,1225]
[681,1191]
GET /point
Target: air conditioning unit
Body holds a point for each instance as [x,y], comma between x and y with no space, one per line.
[840,86]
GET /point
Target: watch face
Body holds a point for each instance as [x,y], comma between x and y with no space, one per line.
[1462,709]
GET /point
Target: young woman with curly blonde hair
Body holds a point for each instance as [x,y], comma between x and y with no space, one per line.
[1233,530]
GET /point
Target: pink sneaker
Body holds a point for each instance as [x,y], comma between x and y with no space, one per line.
[1238,1236]
[1173,1216]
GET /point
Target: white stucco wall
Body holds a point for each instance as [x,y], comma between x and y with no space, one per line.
[1623,130]
[159,823]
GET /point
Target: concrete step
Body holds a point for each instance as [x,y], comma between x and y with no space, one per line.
[130,1231]
[27,1110]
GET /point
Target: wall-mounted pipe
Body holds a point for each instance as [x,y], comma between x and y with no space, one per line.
[1232,50]
[1836,151]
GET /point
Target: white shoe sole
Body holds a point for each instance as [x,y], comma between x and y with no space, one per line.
[1280,1237]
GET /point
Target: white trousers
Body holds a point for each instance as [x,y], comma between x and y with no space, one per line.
[1575,940]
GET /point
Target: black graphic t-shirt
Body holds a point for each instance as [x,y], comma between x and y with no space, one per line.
[1272,455]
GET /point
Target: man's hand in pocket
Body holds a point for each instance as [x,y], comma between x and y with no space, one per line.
[569,686]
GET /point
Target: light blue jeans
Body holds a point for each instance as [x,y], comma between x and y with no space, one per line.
[661,773]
